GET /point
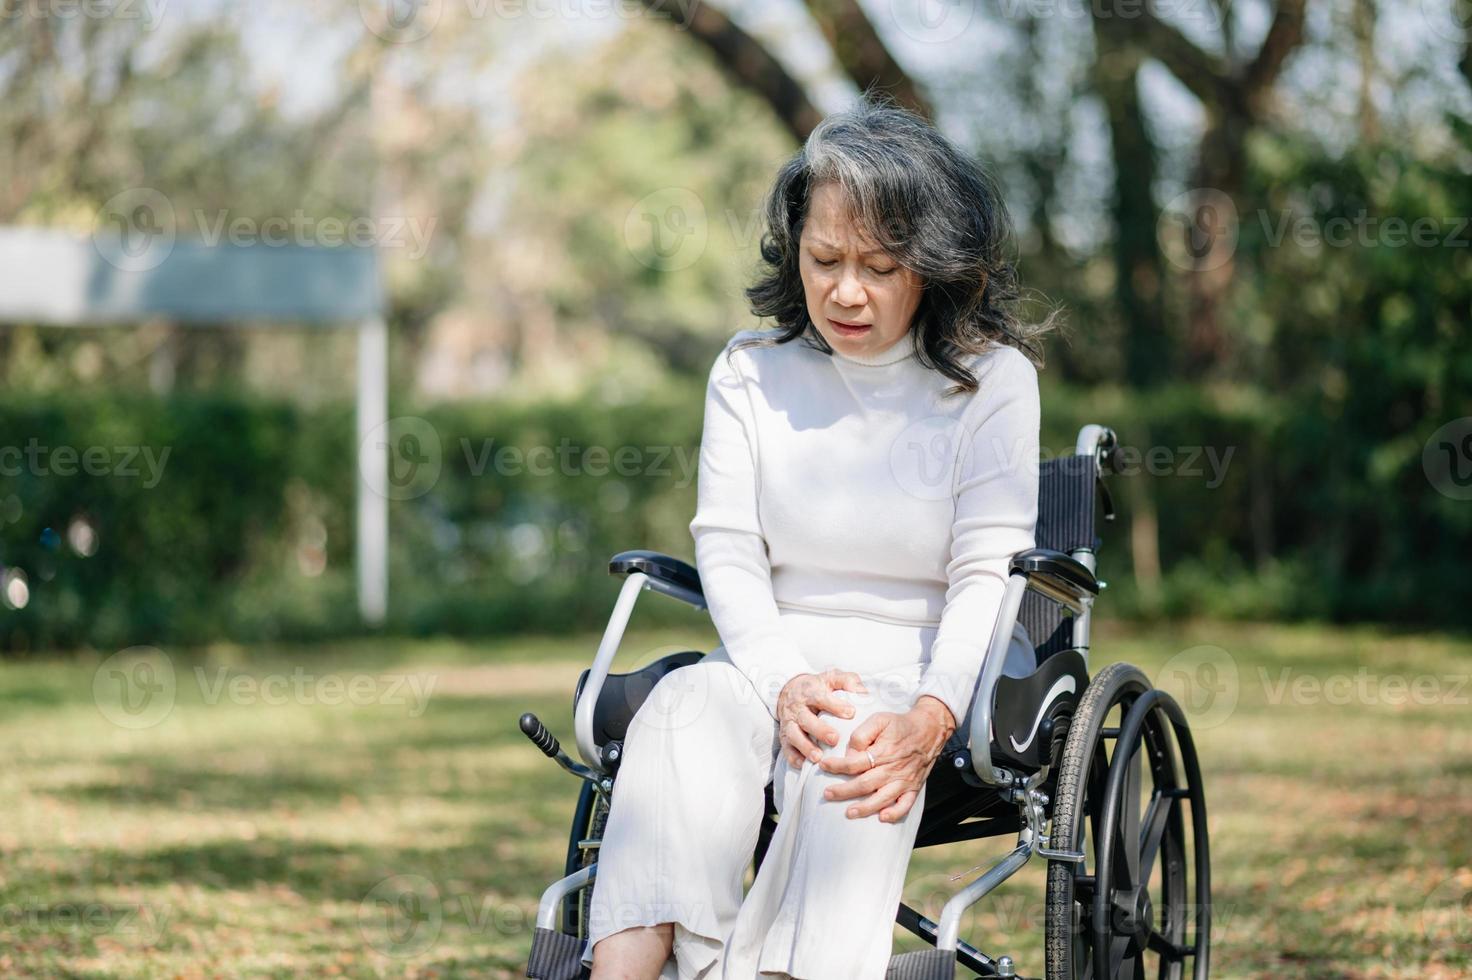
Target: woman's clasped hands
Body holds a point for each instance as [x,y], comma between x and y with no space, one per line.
[888,756]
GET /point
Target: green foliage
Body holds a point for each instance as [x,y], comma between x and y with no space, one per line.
[246,534]
[242,526]
[196,502]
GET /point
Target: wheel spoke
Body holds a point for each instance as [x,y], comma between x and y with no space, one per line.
[1129,814]
[1119,947]
[1171,951]
[1156,819]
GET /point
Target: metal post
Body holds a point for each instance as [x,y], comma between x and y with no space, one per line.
[372,557]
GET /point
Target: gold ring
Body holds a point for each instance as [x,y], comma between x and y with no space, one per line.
[872,763]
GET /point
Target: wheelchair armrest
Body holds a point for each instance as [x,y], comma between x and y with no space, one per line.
[666,574]
[1059,577]
[1056,575]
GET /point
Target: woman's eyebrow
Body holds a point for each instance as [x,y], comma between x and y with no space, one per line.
[827,244]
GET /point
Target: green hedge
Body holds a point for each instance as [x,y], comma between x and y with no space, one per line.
[243,531]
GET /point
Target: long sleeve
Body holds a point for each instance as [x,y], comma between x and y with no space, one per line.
[730,550]
[996,482]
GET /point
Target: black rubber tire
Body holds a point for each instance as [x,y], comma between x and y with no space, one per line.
[1118,683]
[588,822]
[1156,728]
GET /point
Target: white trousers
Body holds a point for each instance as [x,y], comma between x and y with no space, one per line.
[687,806]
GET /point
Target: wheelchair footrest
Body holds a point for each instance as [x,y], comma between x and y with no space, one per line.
[556,956]
[926,964]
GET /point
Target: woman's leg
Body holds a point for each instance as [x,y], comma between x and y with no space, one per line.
[687,805]
[823,906]
[636,953]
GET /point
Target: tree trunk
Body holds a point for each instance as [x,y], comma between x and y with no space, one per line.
[1137,265]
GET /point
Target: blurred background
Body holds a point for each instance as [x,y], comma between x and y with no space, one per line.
[341,345]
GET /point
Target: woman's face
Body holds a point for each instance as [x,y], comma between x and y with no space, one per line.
[859,298]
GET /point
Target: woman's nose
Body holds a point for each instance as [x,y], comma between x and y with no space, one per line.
[849,292]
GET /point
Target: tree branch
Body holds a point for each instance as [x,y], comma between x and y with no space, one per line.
[1210,78]
[748,63]
[1284,35]
[1206,75]
[863,55]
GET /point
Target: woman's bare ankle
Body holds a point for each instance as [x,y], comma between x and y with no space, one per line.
[635,953]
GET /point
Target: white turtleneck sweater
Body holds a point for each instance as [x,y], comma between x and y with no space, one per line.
[855,486]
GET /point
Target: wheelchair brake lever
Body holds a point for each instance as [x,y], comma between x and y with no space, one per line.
[532,727]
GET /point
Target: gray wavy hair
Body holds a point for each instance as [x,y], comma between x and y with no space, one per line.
[932,208]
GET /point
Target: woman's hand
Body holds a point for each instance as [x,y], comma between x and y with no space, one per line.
[904,746]
[798,705]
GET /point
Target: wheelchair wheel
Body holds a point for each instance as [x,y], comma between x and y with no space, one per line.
[588,822]
[1125,911]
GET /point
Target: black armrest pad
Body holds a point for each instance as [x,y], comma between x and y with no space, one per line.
[1064,571]
[656,566]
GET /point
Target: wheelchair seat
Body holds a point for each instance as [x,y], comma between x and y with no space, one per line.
[623,694]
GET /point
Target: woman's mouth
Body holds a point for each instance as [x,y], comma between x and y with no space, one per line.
[849,329]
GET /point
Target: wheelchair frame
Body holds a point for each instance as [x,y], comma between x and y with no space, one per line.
[1067,579]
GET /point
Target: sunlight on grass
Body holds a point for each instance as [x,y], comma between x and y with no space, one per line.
[276,822]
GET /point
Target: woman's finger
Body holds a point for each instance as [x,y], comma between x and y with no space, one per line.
[878,800]
[867,733]
[851,763]
[845,680]
[798,739]
[901,806]
[858,786]
[833,704]
[817,728]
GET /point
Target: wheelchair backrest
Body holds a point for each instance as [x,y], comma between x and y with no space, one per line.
[1068,489]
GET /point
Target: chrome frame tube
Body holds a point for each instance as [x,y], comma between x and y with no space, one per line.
[549,908]
[1093,440]
[1083,619]
[948,933]
[991,669]
[613,635]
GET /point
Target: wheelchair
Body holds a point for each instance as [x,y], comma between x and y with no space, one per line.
[1096,775]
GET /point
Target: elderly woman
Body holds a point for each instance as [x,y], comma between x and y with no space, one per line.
[866,471]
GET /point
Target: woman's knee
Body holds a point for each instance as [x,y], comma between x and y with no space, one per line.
[707,703]
[865,705]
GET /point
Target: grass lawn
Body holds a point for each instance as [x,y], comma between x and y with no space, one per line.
[244,818]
